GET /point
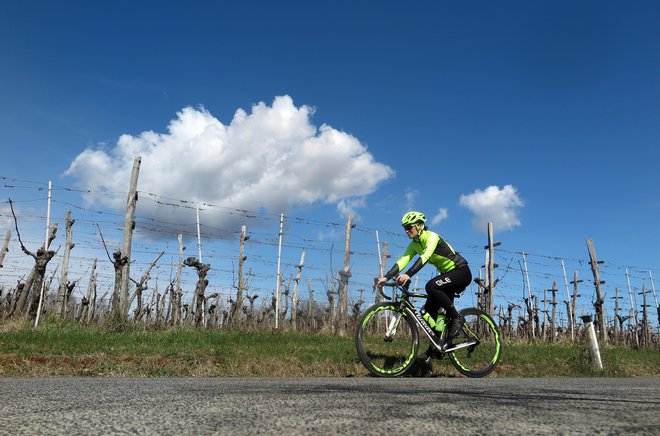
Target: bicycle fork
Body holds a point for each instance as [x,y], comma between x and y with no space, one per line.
[391,327]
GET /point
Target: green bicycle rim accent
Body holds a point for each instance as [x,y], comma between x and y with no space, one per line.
[486,368]
[497,337]
[368,316]
[412,350]
[366,353]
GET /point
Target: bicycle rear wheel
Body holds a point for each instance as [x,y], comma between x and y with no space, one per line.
[387,340]
[483,354]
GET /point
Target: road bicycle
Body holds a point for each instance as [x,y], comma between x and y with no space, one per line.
[387,337]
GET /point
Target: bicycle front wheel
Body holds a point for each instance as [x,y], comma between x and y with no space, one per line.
[481,345]
[387,340]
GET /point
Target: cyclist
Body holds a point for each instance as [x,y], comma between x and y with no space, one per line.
[454,272]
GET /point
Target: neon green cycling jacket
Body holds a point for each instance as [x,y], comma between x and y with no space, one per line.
[432,249]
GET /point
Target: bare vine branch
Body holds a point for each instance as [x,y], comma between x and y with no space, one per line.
[11,206]
[104,246]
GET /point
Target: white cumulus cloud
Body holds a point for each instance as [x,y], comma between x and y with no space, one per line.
[495,205]
[441,215]
[271,159]
[410,199]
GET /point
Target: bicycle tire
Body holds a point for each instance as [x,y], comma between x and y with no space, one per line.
[481,359]
[387,356]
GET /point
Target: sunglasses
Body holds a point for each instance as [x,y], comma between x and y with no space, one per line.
[409,227]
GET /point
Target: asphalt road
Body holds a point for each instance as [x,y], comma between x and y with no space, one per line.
[355,406]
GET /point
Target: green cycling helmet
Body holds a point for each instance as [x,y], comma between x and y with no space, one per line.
[413,217]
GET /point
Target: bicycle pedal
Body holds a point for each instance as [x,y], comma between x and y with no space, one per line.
[424,359]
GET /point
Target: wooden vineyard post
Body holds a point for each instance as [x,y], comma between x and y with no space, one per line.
[592,342]
[129,226]
[240,287]
[62,289]
[294,299]
[345,274]
[5,246]
[599,304]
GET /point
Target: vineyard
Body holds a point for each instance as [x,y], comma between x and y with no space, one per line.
[261,280]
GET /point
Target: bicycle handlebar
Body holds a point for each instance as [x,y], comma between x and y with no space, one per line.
[394,284]
[404,288]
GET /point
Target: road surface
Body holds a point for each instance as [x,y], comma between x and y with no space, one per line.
[351,406]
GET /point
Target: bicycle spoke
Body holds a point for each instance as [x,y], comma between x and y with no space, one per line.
[478,346]
[386,340]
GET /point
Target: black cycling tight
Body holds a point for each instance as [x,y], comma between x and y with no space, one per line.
[442,289]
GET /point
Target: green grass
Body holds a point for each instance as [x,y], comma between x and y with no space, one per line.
[71,349]
[573,360]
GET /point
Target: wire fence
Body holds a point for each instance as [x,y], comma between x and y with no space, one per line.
[322,241]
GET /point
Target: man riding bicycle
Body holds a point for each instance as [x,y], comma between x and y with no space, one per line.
[454,272]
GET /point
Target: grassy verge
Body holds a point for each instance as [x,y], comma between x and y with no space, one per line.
[75,350]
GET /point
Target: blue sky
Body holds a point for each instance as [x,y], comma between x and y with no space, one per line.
[555,105]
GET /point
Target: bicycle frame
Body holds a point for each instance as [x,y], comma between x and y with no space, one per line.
[404,300]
